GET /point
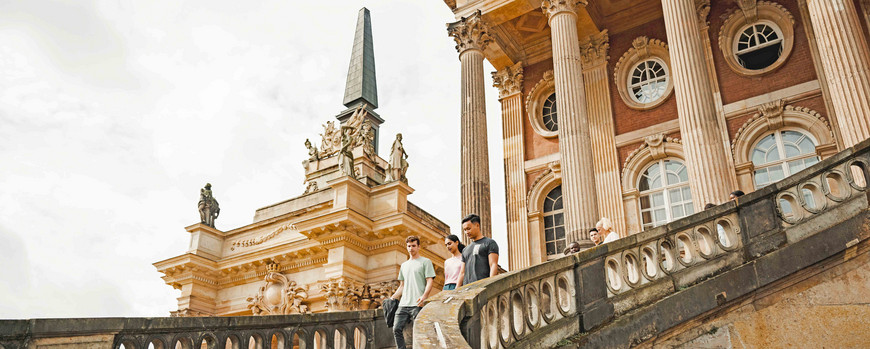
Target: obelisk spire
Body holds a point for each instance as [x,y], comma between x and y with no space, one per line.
[361,84]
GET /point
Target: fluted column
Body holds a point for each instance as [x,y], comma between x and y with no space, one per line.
[846,60]
[578,179]
[471,39]
[710,179]
[509,81]
[605,164]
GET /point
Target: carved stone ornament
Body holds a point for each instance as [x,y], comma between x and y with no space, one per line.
[772,112]
[656,145]
[703,8]
[508,80]
[209,210]
[310,187]
[749,9]
[593,50]
[262,238]
[470,33]
[553,7]
[641,45]
[278,296]
[361,135]
[187,313]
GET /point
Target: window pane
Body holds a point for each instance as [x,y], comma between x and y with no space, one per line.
[551,248]
[687,193]
[677,211]
[689,209]
[560,233]
[791,150]
[560,245]
[558,204]
[660,215]
[775,173]
[559,219]
[548,221]
[761,177]
[675,195]
[549,235]
[647,217]
[658,199]
[644,202]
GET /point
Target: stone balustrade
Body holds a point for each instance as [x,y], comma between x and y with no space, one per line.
[353,329]
[629,291]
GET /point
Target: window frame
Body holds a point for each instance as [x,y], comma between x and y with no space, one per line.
[782,161]
[665,189]
[553,213]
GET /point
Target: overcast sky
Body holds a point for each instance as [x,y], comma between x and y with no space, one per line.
[113,114]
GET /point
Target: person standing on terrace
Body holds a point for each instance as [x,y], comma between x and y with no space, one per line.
[415,283]
[481,255]
[453,266]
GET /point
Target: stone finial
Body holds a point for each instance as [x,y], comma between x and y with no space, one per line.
[772,112]
[278,295]
[208,206]
[553,7]
[594,48]
[470,33]
[509,80]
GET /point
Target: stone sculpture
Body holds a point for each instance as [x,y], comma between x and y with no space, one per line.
[345,154]
[330,140]
[313,154]
[310,187]
[397,166]
[279,296]
[365,138]
[208,206]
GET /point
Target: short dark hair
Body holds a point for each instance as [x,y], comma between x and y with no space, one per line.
[593,229]
[473,218]
[738,193]
[413,238]
[709,205]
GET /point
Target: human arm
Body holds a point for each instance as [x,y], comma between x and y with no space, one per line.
[398,294]
[461,275]
[493,264]
[429,282]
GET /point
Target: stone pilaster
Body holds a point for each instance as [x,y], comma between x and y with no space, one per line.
[593,51]
[846,60]
[578,179]
[509,81]
[471,38]
[705,148]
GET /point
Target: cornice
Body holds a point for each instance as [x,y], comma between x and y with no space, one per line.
[470,33]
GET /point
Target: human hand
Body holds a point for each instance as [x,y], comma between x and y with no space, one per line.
[421,300]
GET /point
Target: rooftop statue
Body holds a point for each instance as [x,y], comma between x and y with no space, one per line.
[313,154]
[398,165]
[331,140]
[208,206]
[345,154]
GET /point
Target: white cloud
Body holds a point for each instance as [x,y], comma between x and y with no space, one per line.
[114,114]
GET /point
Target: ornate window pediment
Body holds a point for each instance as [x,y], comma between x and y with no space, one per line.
[541,107]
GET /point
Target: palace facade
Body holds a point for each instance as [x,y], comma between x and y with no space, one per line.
[644,111]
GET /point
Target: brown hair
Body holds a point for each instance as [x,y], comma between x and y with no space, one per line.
[412,238]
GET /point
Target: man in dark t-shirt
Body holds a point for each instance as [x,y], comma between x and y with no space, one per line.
[480,257]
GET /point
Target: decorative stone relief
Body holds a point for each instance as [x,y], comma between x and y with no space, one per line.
[470,33]
[279,295]
[345,154]
[331,140]
[772,112]
[776,115]
[398,164]
[703,8]
[263,238]
[749,9]
[508,80]
[656,145]
[552,7]
[593,49]
[208,206]
[360,133]
[653,148]
[313,154]
[310,187]
[344,294]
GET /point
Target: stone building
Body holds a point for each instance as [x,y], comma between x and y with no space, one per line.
[336,247]
[644,111]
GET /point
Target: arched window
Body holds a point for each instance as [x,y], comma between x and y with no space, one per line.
[550,116]
[781,154]
[758,46]
[648,81]
[664,193]
[554,222]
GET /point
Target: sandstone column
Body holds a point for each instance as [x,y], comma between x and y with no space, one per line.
[471,39]
[709,176]
[593,51]
[509,82]
[578,179]
[846,60]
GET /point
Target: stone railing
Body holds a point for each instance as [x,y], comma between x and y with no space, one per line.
[353,329]
[626,292]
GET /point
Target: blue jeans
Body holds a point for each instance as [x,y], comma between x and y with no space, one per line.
[404,316]
[448,287]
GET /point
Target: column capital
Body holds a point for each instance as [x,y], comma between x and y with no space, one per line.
[703,8]
[470,33]
[554,7]
[509,80]
[594,49]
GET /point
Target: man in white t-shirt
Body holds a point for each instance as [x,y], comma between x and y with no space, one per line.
[415,283]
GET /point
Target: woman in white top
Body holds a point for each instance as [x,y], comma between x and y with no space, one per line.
[453,265]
